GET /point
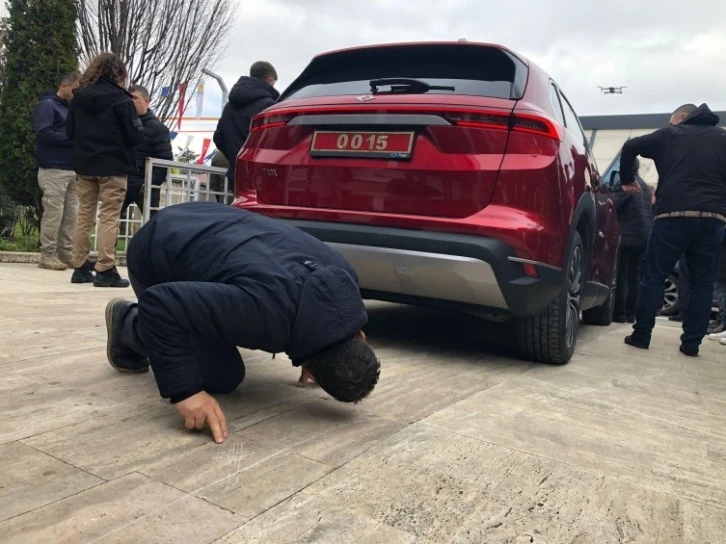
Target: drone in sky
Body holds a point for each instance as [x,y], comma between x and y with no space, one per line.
[612,90]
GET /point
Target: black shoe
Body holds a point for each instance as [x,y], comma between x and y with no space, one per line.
[121,358]
[636,343]
[110,278]
[84,274]
[630,319]
[619,319]
[678,318]
[689,352]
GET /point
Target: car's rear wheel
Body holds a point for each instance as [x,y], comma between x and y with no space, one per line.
[551,336]
[603,315]
[670,297]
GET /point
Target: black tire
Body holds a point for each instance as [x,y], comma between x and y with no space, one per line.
[551,336]
[603,315]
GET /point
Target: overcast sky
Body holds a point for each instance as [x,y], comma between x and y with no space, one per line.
[665,55]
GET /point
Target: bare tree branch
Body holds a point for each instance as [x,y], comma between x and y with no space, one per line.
[164,42]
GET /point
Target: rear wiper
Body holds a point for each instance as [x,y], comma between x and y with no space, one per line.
[405,85]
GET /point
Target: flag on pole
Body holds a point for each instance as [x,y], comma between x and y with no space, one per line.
[210,156]
[200,100]
[182,101]
[173,135]
[165,91]
[184,149]
[205,147]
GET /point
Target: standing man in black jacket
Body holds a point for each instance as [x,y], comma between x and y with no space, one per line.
[155,144]
[105,127]
[56,175]
[211,277]
[635,214]
[690,156]
[250,96]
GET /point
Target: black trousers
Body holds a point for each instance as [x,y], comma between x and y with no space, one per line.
[699,239]
[683,289]
[630,272]
[221,366]
[135,195]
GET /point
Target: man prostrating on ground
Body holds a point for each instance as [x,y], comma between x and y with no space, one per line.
[210,278]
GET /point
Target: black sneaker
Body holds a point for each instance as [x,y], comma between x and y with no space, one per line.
[121,358]
[630,319]
[688,351]
[110,278]
[84,274]
[636,342]
[678,318]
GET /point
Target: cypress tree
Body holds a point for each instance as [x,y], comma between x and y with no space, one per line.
[40,48]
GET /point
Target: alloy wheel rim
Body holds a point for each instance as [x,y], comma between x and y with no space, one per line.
[670,296]
[614,288]
[574,293]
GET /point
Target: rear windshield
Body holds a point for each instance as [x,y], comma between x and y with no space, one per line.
[471,70]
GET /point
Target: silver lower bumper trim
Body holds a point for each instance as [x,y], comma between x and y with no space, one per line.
[429,275]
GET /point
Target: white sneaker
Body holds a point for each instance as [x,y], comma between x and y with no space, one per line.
[718,336]
[723,341]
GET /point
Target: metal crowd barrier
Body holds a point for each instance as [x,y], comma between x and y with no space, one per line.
[190,183]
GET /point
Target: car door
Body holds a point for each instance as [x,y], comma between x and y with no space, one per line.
[606,224]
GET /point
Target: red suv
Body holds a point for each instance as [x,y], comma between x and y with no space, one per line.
[449,174]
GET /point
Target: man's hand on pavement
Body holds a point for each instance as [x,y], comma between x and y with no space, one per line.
[305,378]
[202,409]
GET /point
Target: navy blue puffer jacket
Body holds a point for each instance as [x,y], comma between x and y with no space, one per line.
[239,279]
[635,213]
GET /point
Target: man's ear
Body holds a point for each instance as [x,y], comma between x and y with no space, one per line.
[362,335]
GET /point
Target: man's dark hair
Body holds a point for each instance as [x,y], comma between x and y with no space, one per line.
[262,70]
[688,109]
[143,91]
[348,371]
[70,79]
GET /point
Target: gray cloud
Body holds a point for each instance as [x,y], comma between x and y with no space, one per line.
[665,54]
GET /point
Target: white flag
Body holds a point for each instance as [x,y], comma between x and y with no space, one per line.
[200,100]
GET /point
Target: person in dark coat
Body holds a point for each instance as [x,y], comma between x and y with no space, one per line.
[210,278]
[155,144]
[690,156]
[56,175]
[105,128]
[718,329]
[216,181]
[249,96]
[635,214]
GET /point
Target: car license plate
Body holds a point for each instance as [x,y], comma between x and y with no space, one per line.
[371,145]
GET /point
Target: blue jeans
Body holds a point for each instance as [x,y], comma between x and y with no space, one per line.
[699,240]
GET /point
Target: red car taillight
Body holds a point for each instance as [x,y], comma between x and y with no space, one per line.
[467,118]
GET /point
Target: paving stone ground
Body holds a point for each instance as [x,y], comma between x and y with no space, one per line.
[460,442]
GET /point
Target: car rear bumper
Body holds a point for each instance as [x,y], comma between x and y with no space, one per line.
[441,269]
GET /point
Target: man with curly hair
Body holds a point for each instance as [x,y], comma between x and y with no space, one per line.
[210,278]
[105,127]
